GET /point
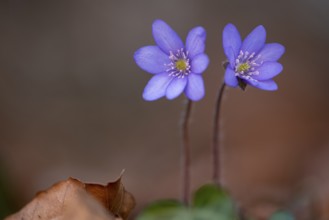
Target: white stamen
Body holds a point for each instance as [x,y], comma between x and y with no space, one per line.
[251,61]
[181,56]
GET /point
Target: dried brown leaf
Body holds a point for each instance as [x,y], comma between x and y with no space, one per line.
[114,197]
[72,199]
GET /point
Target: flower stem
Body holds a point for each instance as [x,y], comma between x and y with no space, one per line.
[216,135]
[186,152]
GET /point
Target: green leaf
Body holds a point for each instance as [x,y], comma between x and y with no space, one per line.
[213,199]
[281,215]
[210,202]
[208,214]
[164,210]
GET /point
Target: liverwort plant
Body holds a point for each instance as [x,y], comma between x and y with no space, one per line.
[250,62]
[177,69]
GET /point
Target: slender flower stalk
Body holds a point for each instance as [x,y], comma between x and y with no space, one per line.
[186,153]
[176,68]
[250,62]
[216,136]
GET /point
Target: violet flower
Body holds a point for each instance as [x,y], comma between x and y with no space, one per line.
[252,61]
[177,68]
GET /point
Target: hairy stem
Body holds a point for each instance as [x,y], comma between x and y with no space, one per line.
[186,152]
[216,136]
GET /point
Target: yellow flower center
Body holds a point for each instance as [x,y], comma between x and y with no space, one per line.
[181,65]
[243,67]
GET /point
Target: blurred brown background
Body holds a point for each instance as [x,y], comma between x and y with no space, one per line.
[71,105]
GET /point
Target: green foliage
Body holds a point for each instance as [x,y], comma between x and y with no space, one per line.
[210,202]
[162,210]
[215,201]
[281,215]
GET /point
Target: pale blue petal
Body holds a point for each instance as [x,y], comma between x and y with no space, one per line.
[165,37]
[268,85]
[195,41]
[268,70]
[195,87]
[231,57]
[230,78]
[151,59]
[156,87]
[271,52]
[231,43]
[255,40]
[176,87]
[199,63]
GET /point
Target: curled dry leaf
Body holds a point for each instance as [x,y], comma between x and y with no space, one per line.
[72,199]
[114,197]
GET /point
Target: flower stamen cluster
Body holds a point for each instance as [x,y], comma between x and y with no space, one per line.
[180,64]
[246,64]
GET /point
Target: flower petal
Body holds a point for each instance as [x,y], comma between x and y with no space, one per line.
[156,87]
[199,63]
[231,42]
[176,87]
[230,78]
[268,70]
[271,52]
[255,40]
[268,85]
[231,57]
[165,37]
[195,87]
[195,41]
[151,59]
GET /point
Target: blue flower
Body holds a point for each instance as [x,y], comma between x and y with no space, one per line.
[177,68]
[252,61]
